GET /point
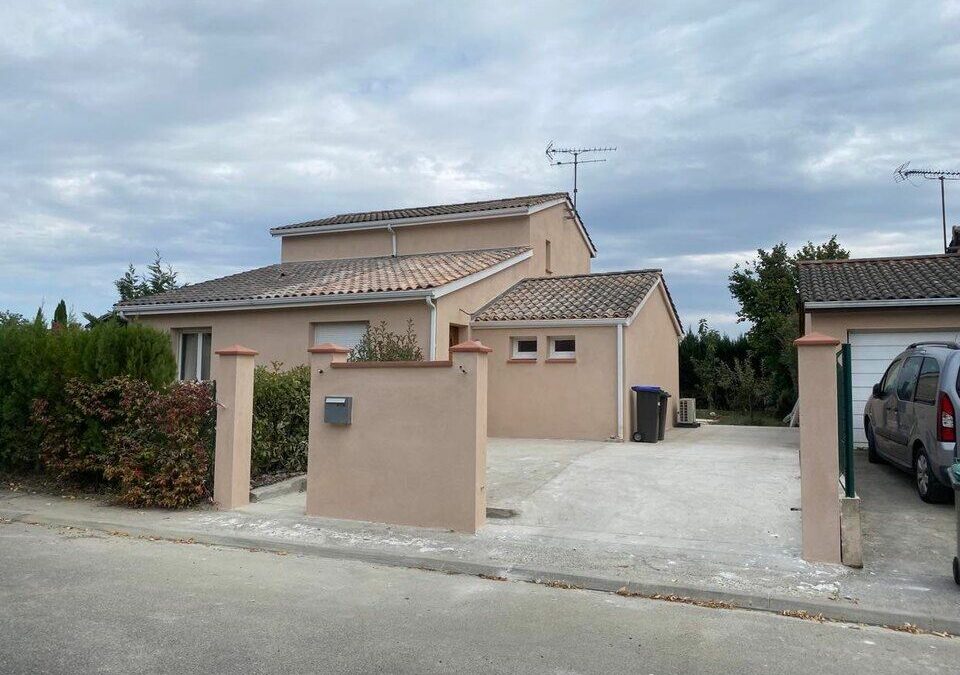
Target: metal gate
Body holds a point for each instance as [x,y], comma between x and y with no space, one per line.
[845,418]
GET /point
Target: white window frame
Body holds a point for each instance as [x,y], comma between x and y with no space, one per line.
[203,335]
[516,354]
[554,354]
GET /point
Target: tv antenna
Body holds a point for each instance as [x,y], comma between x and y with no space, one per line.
[904,173]
[552,153]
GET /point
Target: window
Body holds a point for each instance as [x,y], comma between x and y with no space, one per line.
[928,383]
[195,355]
[907,381]
[890,378]
[524,348]
[344,333]
[546,258]
[563,347]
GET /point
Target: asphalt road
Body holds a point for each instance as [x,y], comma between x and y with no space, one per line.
[76,601]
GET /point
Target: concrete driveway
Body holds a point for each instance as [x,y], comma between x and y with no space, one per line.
[731,490]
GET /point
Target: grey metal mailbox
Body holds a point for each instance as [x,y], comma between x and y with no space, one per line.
[337,409]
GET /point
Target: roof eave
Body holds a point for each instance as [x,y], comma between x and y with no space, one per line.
[550,323]
[867,304]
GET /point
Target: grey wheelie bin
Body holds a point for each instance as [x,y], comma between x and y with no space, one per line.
[651,408]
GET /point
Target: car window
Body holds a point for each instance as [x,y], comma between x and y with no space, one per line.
[928,382]
[890,378]
[907,380]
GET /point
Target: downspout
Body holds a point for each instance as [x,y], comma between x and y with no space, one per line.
[619,381]
[432,350]
[393,239]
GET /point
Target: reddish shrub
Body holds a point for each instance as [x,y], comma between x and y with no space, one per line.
[152,445]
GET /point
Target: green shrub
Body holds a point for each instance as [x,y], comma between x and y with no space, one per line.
[36,363]
[380,344]
[152,445]
[281,419]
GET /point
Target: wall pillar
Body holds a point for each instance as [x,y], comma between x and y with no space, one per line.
[231,467]
[470,356]
[321,357]
[819,463]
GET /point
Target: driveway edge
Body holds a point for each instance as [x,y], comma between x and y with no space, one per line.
[828,610]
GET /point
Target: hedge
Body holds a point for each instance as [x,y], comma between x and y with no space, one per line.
[37,363]
[151,445]
[281,419]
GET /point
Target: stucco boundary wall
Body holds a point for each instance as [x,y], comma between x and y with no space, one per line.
[830,523]
[415,450]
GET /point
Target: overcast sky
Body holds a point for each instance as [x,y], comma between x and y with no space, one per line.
[193,127]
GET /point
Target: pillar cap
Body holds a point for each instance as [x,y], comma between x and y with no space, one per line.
[328,348]
[471,346]
[236,350]
[815,339]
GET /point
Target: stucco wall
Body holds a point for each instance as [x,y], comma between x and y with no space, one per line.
[652,355]
[415,453]
[452,236]
[569,253]
[285,334]
[837,322]
[553,400]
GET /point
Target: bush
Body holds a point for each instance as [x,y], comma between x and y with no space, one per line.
[153,446]
[36,363]
[380,344]
[281,419]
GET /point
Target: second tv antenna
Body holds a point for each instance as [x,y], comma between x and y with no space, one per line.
[552,153]
[904,172]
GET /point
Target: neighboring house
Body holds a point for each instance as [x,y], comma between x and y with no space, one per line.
[879,306]
[439,266]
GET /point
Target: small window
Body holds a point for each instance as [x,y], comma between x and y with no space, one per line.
[548,267]
[195,355]
[524,348]
[907,381]
[563,347]
[928,383]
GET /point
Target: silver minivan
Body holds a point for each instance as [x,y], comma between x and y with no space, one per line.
[910,419]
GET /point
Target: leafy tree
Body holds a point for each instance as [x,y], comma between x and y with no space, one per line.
[747,388]
[158,279]
[701,354]
[380,344]
[766,289]
[11,319]
[60,315]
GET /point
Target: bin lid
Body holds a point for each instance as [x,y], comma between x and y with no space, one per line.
[647,387]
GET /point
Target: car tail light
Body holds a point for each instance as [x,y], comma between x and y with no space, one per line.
[946,419]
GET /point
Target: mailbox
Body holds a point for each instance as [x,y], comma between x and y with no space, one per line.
[337,409]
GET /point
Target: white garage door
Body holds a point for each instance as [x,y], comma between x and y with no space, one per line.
[344,333]
[872,353]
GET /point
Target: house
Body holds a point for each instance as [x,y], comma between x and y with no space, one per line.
[517,271]
[879,306]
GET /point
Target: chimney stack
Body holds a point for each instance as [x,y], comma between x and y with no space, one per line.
[954,245]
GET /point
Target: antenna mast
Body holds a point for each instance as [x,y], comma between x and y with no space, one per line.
[552,153]
[904,173]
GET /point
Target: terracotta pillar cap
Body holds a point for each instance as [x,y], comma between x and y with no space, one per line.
[328,348]
[815,339]
[237,350]
[471,346]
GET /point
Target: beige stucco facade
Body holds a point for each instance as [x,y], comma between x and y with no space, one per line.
[415,450]
[547,398]
[839,322]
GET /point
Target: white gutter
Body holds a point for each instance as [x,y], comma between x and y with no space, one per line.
[620,382]
[432,350]
[867,304]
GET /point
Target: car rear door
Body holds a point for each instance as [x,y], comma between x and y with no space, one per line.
[900,422]
[925,400]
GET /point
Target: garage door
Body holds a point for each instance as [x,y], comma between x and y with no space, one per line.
[344,333]
[871,354]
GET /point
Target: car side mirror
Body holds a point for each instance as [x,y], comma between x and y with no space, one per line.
[877,391]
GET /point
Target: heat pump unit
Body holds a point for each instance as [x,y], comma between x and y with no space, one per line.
[687,412]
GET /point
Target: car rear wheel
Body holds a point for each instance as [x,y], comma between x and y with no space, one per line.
[929,488]
[872,455]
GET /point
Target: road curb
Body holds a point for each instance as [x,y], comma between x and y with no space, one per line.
[828,610]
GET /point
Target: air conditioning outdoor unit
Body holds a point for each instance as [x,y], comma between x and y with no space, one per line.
[687,412]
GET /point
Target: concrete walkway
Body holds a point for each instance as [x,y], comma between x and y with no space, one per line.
[654,519]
